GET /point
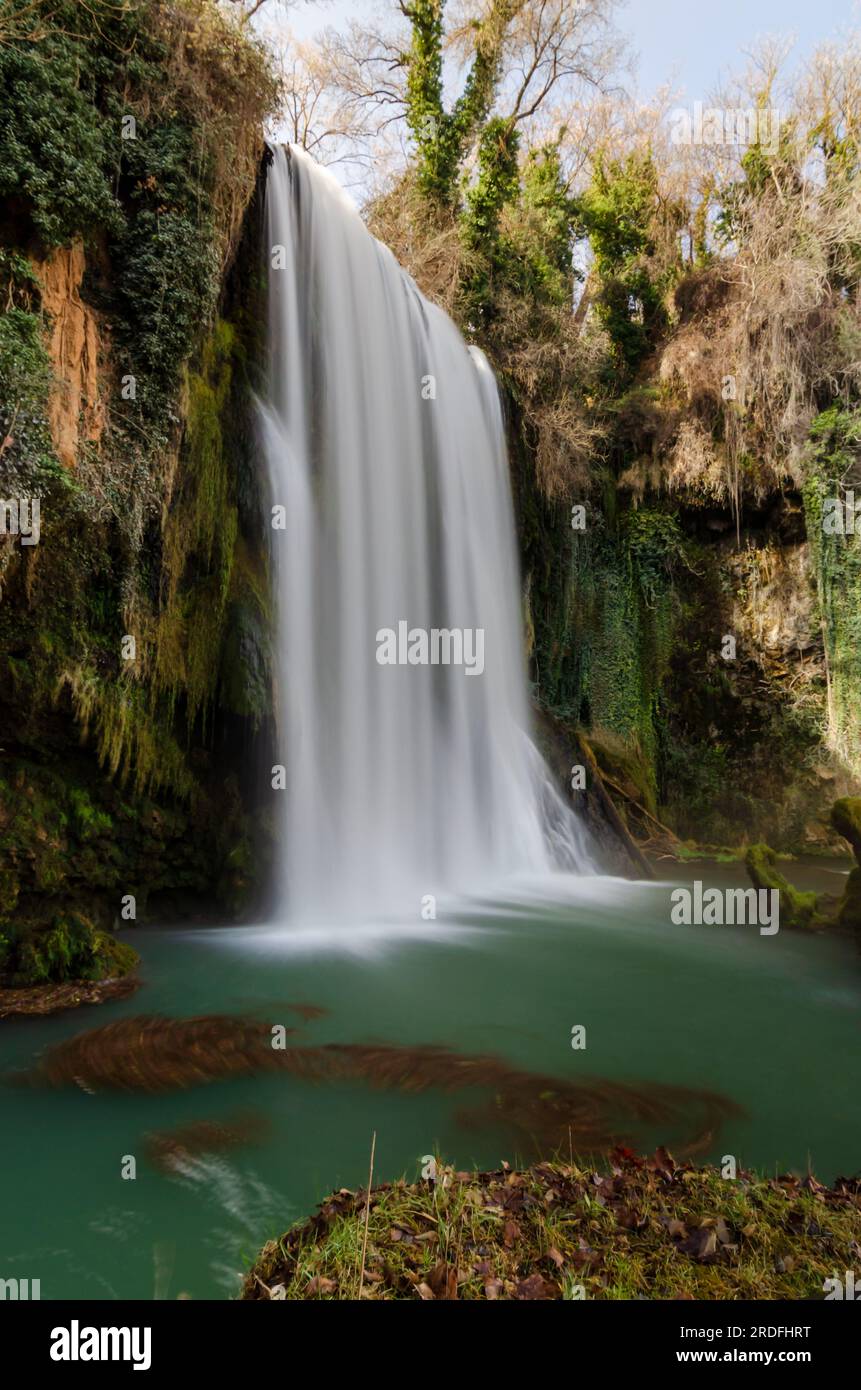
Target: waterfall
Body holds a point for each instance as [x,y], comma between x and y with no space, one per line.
[402,699]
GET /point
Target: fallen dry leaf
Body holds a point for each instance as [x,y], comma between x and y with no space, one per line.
[320,1284]
[700,1244]
[510,1233]
[442,1281]
[722,1231]
[535,1287]
[664,1162]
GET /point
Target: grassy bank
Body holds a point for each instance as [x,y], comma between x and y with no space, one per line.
[640,1228]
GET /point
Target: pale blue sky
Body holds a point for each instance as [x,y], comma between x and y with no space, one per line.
[689,42]
[696,44]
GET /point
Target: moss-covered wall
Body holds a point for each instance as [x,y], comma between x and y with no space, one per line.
[626,620]
[833,481]
[130,768]
[140,777]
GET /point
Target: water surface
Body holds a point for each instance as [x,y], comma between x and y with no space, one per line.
[770,1022]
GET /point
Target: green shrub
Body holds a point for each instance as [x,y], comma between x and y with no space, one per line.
[70,949]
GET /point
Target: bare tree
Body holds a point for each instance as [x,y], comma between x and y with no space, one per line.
[549,47]
[350,89]
[251,7]
[342,94]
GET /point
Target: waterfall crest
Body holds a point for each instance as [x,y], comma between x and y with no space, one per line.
[384,445]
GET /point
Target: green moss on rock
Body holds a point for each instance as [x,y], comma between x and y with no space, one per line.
[849,911]
[846,820]
[71,948]
[796,909]
[112,958]
[74,846]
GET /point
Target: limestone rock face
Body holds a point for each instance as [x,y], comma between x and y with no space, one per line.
[76,411]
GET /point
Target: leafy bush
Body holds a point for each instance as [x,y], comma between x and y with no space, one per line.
[166,200]
[71,949]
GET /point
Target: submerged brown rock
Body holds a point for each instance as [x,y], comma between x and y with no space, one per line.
[543,1114]
[152,1053]
[171,1149]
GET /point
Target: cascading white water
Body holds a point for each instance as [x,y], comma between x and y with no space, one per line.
[384,444]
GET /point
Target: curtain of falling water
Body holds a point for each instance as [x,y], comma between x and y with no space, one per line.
[384,444]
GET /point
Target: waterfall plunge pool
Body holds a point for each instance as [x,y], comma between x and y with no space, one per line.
[770,1024]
